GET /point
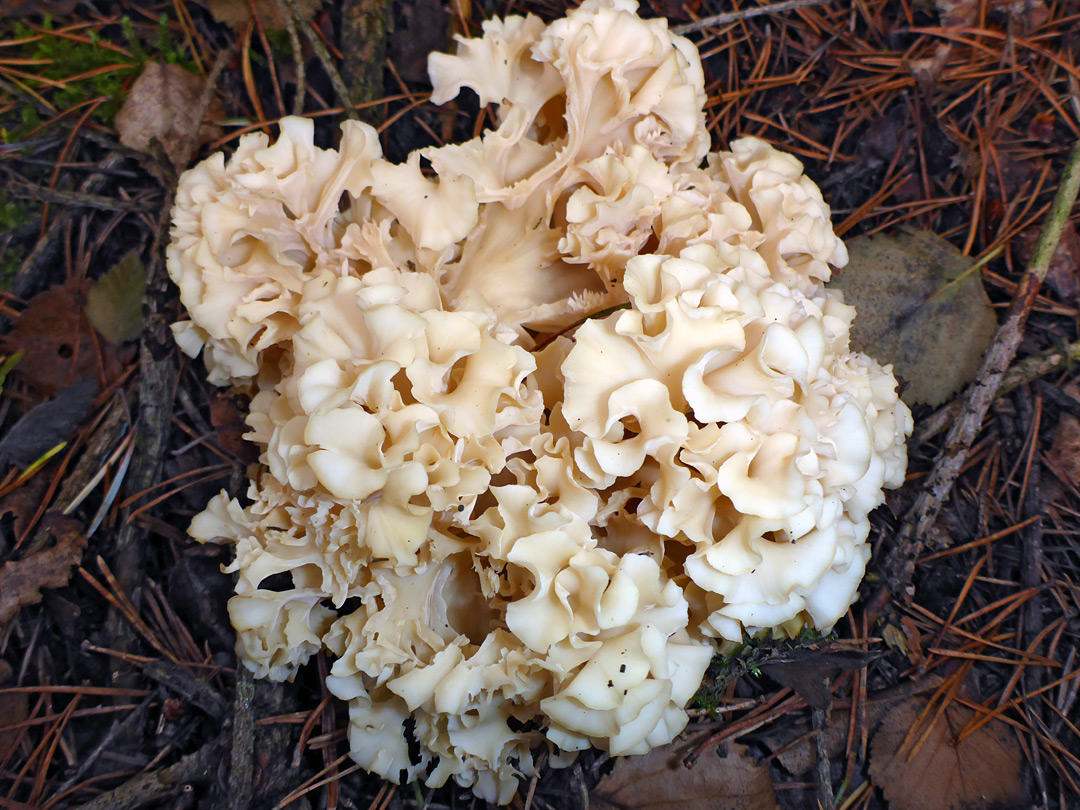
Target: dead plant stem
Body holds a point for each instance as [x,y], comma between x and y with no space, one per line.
[745,14]
[899,564]
[327,62]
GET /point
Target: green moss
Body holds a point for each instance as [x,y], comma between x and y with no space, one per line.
[12,213]
[9,265]
[105,73]
[67,59]
[746,658]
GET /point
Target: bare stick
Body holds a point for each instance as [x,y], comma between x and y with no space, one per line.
[242,775]
[298,56]
[79,199]
[200,767]
[365,27]
[745,14]
[1023,373]
[899,564]
[327,63]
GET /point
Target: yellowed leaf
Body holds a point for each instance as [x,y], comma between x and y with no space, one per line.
[164,103]
[659,781]
[114,303]
[980,771]
[918,310]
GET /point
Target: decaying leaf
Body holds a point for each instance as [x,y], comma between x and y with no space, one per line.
[933,332]
[114,303]
[165,103]
[982,770]
[227,417]
[806,670]
[21,581]
[796,748]
[1064,452]
[957,13]
[47,425]
[1063,274]
[927,71]
[659,781]
[238,12]
[21,504]
[1027,14]
[60,347]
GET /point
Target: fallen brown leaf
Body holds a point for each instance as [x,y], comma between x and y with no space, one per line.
[238,12]
[227,417]
[1028,14]
[659,781]
[1065,449]
[22,504]
[980,771]
[1063,274]
[957,13]
[796,748]
[21,581]
[807,670]
[59,344]
[164,103]
[927,71]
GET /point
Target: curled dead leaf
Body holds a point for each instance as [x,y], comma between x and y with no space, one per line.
[927,71]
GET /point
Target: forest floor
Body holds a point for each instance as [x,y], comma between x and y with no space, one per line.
[952,682]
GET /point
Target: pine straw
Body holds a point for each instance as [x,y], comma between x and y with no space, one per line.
[906,118]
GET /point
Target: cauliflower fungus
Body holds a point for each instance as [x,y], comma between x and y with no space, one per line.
[541,426]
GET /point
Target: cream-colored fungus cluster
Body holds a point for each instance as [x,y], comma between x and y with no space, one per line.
[540,421]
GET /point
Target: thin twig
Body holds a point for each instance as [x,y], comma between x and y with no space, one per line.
[745,14]
[328,64]
[298,57]
[826,797]
[200,766]
[1023,373]
[366,26]
[899,564]
[79,199]
[242,776]
[118,729]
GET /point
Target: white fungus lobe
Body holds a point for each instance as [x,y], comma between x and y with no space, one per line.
[540,428]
